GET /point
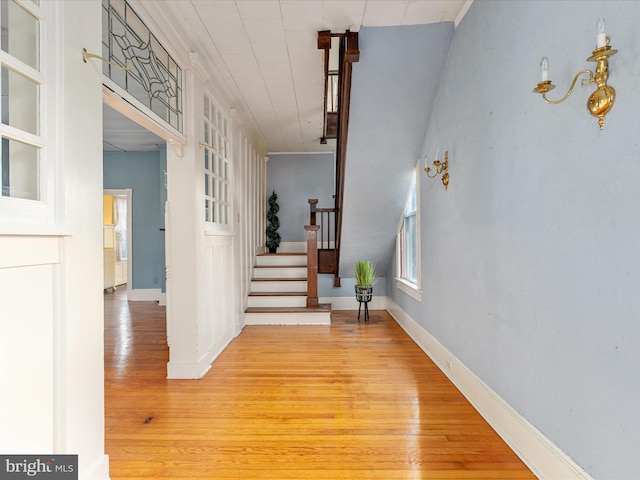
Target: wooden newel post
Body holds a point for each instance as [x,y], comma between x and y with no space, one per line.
[312,207]
[312,264]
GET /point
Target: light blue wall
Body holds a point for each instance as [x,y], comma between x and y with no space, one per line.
[392,94]
[531,259]
[144,174]
[296,178]
[346,288]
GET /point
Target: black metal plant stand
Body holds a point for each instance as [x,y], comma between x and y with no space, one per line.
[364,295]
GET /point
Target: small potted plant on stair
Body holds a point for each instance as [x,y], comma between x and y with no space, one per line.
[364,272]
[273,237]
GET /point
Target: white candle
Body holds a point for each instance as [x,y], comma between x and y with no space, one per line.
[544,69]
[601,37]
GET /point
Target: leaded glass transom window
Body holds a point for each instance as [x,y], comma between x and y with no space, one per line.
[155,79]
[216,164]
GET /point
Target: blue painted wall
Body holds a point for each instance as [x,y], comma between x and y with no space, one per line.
[297,177]
[530,260]
[143,172]
[393,91]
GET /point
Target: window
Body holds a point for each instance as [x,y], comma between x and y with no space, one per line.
[216,164]
[408,242]
[154,79]
[21,83]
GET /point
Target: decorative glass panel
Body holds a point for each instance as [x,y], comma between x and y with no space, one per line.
[154,79]
[21,146]
[216,165]
[20,170]
[21,101]
[20,33]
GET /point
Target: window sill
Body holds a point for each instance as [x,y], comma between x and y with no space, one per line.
[409,289]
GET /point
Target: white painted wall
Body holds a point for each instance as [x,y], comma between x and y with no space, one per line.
[208,266]
[530,258]
[51,315]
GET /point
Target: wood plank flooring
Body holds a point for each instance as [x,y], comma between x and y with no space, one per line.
[346,401]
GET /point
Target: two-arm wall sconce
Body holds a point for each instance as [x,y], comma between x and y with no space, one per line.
[440,168]
[600,101]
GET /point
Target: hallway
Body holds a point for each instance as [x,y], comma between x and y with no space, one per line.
[346,401]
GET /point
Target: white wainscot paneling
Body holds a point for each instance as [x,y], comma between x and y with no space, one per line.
[218,297]
[26,356]
[26,342]
[21,251]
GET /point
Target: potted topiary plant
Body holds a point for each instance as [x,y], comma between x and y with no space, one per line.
[273,237]
[364,272]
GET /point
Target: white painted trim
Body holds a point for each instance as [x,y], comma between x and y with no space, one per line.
[98,471]
[188,370]
[197,370]
[541,455]
[34,229]
[409,289]
[122,101]
[146,295]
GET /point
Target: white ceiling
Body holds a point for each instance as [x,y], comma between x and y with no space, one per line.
[263,55]
[124,135]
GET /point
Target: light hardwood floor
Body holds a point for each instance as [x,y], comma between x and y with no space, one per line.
[349,401]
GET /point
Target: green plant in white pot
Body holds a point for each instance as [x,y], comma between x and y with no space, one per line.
[364,273]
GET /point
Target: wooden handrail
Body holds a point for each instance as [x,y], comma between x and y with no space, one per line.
[349,53]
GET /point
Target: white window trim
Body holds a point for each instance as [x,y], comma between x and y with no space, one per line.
[216,228]
[24,214]
[413,290]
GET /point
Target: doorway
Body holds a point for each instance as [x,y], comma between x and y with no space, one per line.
[134,169]
[118,251]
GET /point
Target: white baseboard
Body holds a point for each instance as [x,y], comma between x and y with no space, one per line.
[98,471]
[197,370]
[541,455]
[146,295]
[188,370]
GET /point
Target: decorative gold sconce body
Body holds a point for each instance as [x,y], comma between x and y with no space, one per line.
[440,168]
[600,101]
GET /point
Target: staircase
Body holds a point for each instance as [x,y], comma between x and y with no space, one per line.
[279,293]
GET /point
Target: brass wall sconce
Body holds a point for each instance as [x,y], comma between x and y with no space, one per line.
[440,168]
[600,101]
